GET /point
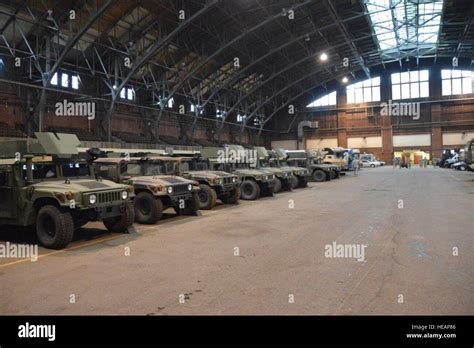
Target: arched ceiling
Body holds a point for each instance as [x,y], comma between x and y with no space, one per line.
[243,56]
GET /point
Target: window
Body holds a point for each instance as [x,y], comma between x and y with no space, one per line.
[410,85]
[75,82]
[327,100]
[405,24]
[241,118]
[127,93]
[364,91]
[219,114]
[193,108]
[54,79]
[64,80]
[456,82]
[171,103]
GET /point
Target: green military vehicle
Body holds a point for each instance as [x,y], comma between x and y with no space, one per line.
[155,189]
[48,186]
[284,178]
[319,172]
[468,156]
[278,158]
[234,159]
[213,184]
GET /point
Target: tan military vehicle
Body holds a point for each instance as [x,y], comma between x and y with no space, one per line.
[47,186]
[155,189]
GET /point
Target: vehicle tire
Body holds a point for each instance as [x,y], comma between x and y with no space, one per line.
[192,205]
[55,229]
[332,174]
[249,190]
[232,197]
[122,222]
[293,182]
[207,197]
[303,182]
[277,186]
[319,175]
[148,209]
[372,166]
[269,191]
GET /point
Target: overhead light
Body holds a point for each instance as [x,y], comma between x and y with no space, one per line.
[345,79]
[323,57]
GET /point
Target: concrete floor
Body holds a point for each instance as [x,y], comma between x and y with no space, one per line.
[409,252]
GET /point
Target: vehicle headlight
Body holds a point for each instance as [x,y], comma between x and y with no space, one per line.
[190,187]
[218,181]
[234,179]
[170,189]
[92,199]
[124,194]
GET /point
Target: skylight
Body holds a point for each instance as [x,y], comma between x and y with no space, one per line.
[404,24]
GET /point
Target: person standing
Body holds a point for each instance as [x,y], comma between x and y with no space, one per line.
[355,166]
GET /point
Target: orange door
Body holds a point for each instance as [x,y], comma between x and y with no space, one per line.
[417,159]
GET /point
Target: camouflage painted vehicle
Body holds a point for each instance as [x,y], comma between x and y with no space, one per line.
[213,184]
[319,172]
[284,178]
[51,188]
[254,182]
[155,189]
[468,156]
[278,158]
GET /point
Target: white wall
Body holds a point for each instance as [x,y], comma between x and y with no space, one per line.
[321,143]
[412,140]
[360,142]
[457,138]
[284,144]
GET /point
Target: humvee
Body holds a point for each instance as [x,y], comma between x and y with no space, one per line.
[155,189]
[278,158]
[468,157]
[213,184]
[284,178]
[232,159]
[49,187]
[318,172]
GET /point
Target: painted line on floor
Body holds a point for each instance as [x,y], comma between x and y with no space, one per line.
[83,245]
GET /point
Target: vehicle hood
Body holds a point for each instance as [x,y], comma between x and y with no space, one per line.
[252,172]
[160,180]
[211,174]
[78,185]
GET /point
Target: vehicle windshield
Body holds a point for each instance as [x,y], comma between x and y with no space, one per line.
[242,165]
[42,171]
[158,168]
[130,169]
[76,170]
[264,163]
[297,163]
[192,165]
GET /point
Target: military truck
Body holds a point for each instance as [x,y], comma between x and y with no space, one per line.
[468,157]
[49,187]
[234,159]
[319,172]
[278,158]
[284,178]
[213,184]
[155,190]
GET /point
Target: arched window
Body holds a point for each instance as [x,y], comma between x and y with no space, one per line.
[327,100]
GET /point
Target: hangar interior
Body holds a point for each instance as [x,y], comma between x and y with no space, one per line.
[393,79]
